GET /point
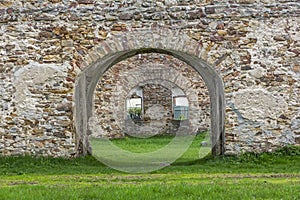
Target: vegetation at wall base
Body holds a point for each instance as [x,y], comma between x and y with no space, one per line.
[273,175]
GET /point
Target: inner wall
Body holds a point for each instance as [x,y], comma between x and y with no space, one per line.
[116,83]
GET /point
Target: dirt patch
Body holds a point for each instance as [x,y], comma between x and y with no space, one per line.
[22,183]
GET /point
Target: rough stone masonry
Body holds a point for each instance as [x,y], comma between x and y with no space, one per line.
[49,47]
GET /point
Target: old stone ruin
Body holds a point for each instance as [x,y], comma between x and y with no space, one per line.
[231,67]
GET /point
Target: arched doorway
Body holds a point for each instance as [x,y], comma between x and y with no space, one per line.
[87,81]
[128,78]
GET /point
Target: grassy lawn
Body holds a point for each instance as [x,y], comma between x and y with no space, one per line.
[249,176]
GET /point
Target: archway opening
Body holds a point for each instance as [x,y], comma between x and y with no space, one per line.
[158,93]
[88,81]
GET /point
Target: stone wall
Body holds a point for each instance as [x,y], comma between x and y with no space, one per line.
[158,104]
[157,95]
[46,45]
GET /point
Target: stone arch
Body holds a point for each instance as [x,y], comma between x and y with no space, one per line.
[120,47]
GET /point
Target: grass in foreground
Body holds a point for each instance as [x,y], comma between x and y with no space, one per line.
[249,176]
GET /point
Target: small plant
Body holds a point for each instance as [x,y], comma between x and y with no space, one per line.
[182,117]
[135,112]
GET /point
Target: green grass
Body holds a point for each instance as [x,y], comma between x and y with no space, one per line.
[153,187]
[143,145]
[146,145]
[249,176]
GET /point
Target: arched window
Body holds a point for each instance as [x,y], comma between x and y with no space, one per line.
[180,104]
[180,108]
[134,104]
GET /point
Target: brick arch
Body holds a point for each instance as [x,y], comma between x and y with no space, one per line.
[120,47]
[158,39]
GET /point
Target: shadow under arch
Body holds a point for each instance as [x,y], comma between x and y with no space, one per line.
[88,79]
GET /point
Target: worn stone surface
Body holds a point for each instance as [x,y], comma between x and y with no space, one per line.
[40,121]
[253,45]
[258,105]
